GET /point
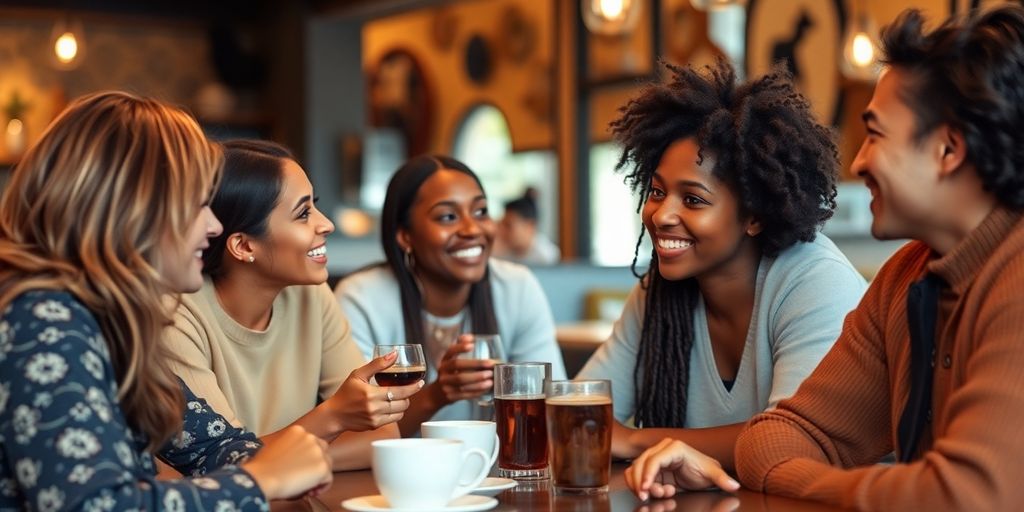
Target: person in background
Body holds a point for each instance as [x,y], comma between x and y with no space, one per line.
[101,226]
[439,283]
[929,363]
[518,237]
[744,296]
[264,341]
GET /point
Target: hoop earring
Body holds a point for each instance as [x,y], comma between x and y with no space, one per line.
[410,264]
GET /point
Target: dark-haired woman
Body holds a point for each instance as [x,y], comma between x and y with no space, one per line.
[439,282]
[264,340]
[744,296]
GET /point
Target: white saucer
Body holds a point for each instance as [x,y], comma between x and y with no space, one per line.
[377,503]
[492,486]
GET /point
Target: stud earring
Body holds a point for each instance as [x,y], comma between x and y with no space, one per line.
[252,258]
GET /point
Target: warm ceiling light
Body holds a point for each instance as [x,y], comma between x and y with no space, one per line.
[611,9]
[863,50]
[610,17]
[860,48]
[66,47]
[68,44]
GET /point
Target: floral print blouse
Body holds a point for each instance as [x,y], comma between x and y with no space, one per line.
[65,443]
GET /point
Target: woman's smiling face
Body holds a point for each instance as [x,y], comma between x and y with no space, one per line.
[294,250]
[449,230]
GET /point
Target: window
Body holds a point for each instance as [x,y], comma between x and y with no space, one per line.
[484,144]
[614,223]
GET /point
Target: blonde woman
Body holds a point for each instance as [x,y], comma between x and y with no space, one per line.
[102,223]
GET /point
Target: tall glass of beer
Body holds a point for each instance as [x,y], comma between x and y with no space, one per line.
[579,416]
[519,391]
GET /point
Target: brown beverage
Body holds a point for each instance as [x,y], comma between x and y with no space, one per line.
[580,431]
[400,376]
[522,432]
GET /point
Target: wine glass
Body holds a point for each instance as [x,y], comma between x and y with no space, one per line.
[486,347]
[409,367]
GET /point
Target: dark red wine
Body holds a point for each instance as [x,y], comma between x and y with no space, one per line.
[400,376]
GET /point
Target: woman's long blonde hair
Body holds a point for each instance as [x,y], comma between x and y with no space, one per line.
[85,211]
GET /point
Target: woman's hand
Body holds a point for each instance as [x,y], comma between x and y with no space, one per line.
[671,465]
[361,406]
[291,463]
[461,379]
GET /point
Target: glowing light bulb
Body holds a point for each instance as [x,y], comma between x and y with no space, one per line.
[611,9]
[67,44]
[66,47]
[14,137]
[863,50]
[14,127]
[860,49]
[610,17]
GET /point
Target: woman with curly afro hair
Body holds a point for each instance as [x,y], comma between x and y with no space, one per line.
[743,296]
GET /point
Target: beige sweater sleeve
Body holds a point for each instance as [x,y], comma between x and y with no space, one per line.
[188,345]
[341,355]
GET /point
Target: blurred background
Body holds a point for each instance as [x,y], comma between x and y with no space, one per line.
[520,90]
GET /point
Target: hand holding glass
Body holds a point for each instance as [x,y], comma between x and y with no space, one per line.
[409,367]
[486,347]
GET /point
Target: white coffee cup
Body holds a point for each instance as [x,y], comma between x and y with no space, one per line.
[475,434]
[423,473]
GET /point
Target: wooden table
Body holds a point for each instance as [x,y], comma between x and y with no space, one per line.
[540,497]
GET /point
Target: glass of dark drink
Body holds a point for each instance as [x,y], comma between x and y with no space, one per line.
[579,417]
[519,391]
[410,366]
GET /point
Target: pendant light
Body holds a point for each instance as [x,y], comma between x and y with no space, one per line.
[610,17]
[67,43]
[860,46]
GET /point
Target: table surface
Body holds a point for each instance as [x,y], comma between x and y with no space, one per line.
[590,333]
[540,497]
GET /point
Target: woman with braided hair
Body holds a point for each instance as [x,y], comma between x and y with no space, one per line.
[743,296]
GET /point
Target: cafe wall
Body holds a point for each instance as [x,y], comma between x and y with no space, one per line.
[808,31]
[428,48]
[428,68]
[170,62]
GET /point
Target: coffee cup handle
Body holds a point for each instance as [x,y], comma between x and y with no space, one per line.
[464,489]
[494,452]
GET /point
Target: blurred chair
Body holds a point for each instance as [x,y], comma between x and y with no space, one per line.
[604,303]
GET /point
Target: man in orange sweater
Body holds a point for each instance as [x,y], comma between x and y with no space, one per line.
[931,363]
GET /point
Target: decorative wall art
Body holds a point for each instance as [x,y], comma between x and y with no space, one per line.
[400,99]
[805,36]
